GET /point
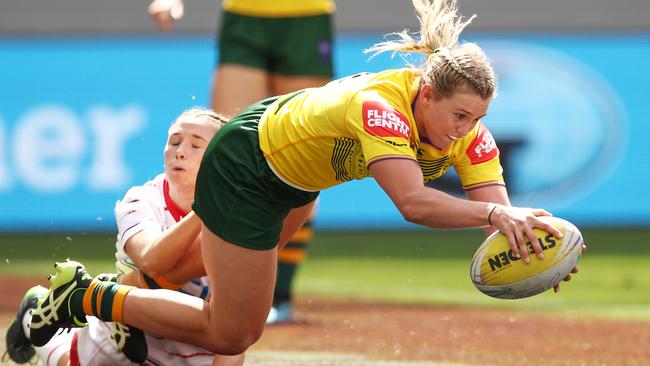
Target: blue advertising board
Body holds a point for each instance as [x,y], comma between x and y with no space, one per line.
[82,120]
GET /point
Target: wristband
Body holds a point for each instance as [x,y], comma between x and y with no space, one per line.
[489,216]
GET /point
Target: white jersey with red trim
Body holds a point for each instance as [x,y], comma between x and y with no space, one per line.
[149,207]
[95,347]
[143,207]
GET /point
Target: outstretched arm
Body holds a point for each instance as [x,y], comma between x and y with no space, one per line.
[402,180]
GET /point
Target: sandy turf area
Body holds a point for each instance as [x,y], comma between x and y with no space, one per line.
[365,334]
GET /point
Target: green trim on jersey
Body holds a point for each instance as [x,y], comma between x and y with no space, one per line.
[237,195]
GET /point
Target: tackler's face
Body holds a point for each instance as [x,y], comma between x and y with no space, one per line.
[187,140]
[444,120]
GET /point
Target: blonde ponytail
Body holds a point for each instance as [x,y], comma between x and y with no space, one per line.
[449,65]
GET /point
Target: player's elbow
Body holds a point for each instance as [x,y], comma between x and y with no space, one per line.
[410,210]
[147,260]
[150,265]
[411,214]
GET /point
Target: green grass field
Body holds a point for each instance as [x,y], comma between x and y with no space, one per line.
[414,267]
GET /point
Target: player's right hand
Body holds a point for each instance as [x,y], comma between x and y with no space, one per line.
[517,225]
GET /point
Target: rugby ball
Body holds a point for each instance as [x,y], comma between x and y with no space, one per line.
[496,272]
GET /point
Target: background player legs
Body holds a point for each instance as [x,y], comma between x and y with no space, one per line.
[252,85]
[281,84]
[258,84]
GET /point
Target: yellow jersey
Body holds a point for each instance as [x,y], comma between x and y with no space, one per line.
[320,137]
[279,8]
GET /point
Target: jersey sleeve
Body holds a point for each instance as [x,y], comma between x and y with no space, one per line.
[477,160]
[136,212]
[383,130]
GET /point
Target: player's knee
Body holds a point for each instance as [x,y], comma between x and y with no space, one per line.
[235,346]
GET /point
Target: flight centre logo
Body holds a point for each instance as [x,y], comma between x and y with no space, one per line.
[483,147]
[380,119]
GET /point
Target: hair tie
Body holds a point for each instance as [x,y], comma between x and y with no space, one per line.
[440,51]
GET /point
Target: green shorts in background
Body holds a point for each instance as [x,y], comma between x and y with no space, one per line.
[237,195]
[292,46]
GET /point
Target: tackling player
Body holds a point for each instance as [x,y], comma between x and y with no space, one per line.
[157,242]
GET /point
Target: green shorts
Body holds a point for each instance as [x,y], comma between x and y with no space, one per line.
[292,46]
[237,195]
